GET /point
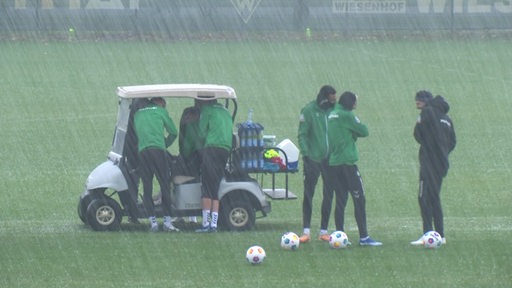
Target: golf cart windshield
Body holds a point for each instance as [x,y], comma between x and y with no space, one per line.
[121,129]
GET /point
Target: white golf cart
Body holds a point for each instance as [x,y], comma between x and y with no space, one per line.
[241,197]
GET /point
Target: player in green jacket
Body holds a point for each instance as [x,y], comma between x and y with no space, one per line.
[189,141]
[216,130]
[314,147]
[150,123]
[344,128]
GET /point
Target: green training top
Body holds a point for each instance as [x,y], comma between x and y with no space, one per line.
[313,141]
[189,140]
[216,126]
[150,123]
[343,130]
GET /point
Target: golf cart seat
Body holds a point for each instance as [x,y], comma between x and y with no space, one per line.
[184,179]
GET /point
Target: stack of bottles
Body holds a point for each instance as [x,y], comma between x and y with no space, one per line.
[251,144]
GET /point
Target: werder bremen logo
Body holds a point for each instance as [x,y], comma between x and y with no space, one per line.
[245,8]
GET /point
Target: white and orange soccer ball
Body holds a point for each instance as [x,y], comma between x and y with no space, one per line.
[290,241]
[338,239]
[255,254]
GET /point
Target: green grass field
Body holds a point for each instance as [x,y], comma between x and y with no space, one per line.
[57,117]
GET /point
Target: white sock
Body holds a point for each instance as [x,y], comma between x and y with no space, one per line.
[152,219]
[323,232]
[167,221]
[215,217]
[206,218]
[307,231]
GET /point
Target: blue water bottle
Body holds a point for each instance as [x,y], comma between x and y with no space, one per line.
[249,159]
[250,135]
[243,160]
[242,136]
[259,137]
[254,159]
[261,161]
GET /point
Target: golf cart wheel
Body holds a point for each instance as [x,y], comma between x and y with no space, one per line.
[104,214]
[81,212]
[84,202]
[236,215]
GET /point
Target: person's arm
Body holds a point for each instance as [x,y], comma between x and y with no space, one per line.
[304,127]
[204,120]
[170,128]
[422,125]
[358,129]
[453,138]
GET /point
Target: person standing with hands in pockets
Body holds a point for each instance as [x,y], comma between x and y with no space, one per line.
[435,133]
[344,128]
[313,146]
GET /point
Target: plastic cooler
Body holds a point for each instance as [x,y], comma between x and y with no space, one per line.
[292,153]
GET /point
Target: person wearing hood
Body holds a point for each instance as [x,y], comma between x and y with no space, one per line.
[314,147]
[344,128]
[435,133]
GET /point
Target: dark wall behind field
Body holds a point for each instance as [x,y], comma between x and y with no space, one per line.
[188,16]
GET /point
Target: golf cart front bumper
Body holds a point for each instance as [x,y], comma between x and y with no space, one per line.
[267,208]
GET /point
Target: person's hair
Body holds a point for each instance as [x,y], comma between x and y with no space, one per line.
[423,96]
[202,102]
[327,90]
[322,99]
[158,101]
[348,100]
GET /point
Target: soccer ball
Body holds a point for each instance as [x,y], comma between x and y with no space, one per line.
[338,239]
[290,241]
[255,254]
[432,239]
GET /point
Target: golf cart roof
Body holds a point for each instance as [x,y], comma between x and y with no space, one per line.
[196,91]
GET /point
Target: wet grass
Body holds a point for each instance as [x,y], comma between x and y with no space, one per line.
[57,116]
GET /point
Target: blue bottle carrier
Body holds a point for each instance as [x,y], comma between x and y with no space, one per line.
[256,156]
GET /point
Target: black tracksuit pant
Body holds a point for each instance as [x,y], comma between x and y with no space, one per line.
[153,162]
[312,171]
[429,198]
[346,179]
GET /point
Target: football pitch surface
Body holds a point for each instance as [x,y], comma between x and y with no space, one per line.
[57,118]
